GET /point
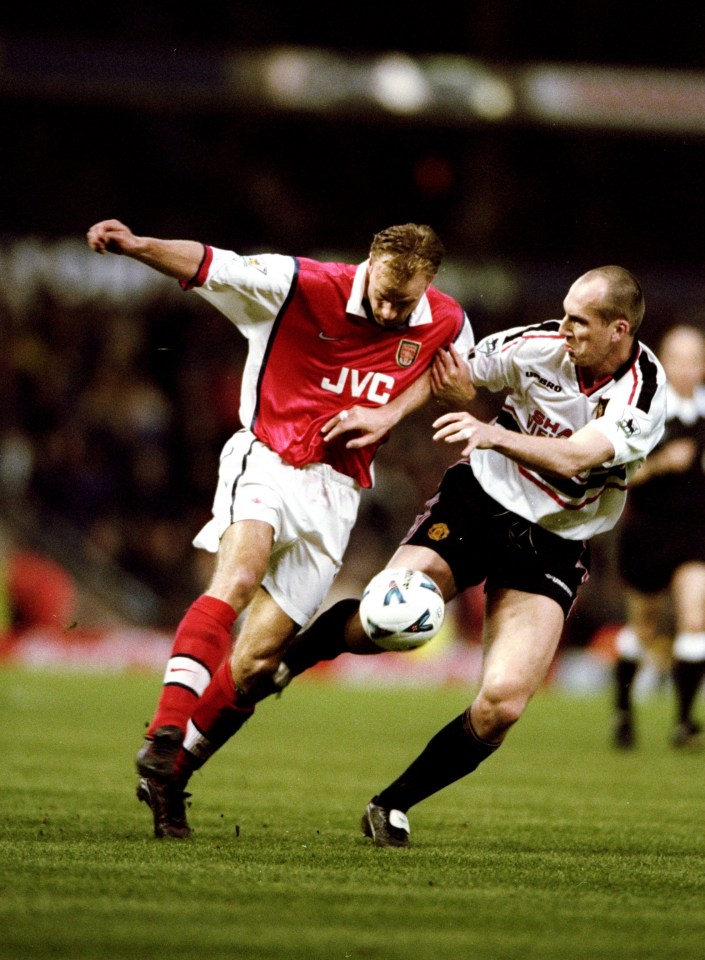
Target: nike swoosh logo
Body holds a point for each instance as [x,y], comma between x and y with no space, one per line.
[324,337]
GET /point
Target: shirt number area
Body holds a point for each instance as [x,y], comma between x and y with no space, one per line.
[375,387]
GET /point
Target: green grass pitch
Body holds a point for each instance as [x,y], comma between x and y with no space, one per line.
[557,847]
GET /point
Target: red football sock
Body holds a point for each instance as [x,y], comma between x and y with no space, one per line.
[219,714]
[202,640]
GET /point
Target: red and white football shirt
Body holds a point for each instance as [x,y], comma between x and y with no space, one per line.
[313,351]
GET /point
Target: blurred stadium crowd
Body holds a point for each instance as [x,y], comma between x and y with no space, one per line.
[105,440]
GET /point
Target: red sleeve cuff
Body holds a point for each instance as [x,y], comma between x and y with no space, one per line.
[199,277]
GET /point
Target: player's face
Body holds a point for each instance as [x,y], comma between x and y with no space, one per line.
[683,357]
[391,301]
[589,341]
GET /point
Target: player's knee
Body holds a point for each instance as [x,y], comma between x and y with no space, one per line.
[237,587]
[497,707]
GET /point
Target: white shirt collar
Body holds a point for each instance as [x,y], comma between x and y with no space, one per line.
[686,409]
[421,315]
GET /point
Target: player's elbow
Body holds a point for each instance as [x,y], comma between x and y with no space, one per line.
[577,458]
[569,467]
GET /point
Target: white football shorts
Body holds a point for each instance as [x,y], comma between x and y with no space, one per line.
[312,510]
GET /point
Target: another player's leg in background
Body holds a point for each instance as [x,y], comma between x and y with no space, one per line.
[688,671]
[688,591]
[629,653]
[640,643]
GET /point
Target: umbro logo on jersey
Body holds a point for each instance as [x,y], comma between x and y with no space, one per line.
[324,337]
[548,384]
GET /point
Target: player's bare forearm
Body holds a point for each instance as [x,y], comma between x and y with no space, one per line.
[415,396]
[560,456]
[175,258]
[372,424]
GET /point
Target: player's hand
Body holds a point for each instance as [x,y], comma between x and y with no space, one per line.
[451,383]
[461,427]
[371,424]
[111,235]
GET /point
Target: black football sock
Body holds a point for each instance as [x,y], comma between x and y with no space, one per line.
[687,676]
[452,753]
[624,673]
[323,640]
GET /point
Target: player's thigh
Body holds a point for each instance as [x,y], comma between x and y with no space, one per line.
[688,593]
[243,557]
[645,614]
[522,633]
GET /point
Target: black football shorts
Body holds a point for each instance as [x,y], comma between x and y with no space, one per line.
[650,548]
[480,540]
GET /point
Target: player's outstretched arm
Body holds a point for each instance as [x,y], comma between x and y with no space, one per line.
[175,258]
[560,456]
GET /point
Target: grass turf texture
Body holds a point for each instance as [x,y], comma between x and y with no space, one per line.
[558,847]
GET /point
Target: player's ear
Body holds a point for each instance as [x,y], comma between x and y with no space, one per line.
[621,329]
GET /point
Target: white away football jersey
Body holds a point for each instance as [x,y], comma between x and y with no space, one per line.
[547,398]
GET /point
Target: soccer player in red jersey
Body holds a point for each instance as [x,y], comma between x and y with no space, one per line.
[327,343]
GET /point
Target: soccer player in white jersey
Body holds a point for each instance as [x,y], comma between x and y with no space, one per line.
[583,404]
[327,343]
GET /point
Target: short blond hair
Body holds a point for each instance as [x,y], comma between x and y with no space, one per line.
[408,249]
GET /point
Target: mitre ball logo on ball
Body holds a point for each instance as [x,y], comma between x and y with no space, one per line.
[401,609]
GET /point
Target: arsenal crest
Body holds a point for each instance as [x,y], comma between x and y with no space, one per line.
[407,352]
